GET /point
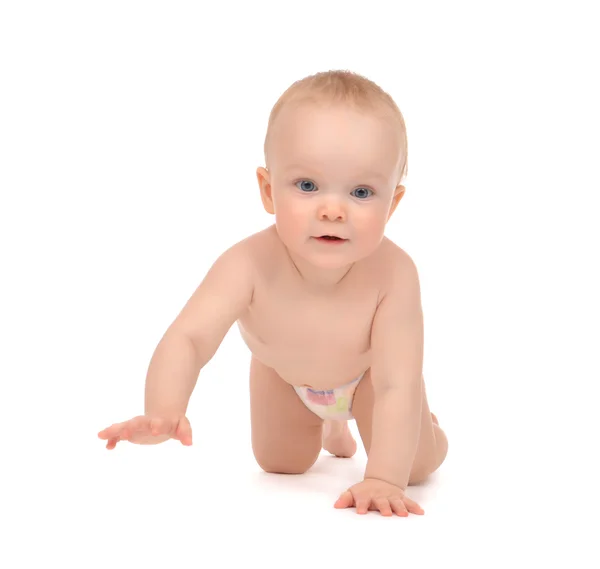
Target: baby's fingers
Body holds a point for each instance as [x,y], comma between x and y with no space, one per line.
[413,507]
[111,432]
[383,505]
[122,431]
[184,431]
[137,425]
[399,507]
[346,500]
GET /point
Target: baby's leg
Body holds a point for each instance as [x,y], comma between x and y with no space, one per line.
[337,438]
[286,435]
[433,444]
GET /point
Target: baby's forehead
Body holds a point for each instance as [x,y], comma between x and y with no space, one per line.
[292,164]
[298,115]
[322,157]
[327,138]
[329,127]
[351,170]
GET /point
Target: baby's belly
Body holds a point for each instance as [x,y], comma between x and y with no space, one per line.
[309,366]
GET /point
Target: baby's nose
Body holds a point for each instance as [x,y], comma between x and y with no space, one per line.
[332,210]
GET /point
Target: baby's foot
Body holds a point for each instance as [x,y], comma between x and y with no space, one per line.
[337,439]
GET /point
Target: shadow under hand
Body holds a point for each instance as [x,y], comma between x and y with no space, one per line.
[331,476]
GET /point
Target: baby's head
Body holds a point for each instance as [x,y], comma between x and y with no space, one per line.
[335,154]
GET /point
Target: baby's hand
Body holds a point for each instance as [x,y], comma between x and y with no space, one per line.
[148,430]
[373,494]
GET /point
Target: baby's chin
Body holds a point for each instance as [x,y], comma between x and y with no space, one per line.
[321,260]
[332,260]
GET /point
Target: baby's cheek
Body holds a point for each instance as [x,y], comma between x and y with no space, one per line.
[370,222]
[372,229]
[290,219]
[296,216]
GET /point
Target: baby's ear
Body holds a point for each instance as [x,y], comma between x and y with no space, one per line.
[398,195]
[264,183]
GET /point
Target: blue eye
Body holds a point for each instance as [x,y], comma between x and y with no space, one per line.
[364,189]
[304,184]
[306,188]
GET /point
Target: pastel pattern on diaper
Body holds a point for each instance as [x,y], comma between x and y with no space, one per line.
[320,397]
[330,403]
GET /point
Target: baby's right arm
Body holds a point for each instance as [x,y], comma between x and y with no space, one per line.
[193,338]
[189,344]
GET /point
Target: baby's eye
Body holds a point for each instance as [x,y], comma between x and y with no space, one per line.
[305,185]
[362,194]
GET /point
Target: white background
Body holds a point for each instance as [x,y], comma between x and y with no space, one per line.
[130,134]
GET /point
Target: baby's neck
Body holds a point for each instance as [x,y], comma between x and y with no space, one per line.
[318,280]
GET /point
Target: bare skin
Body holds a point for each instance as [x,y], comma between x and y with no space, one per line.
[338,440]
[288,349]
[313,314]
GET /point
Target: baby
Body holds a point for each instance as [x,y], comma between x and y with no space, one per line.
[329,308]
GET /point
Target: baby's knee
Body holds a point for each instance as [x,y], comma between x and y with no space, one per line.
[285,465]
[283,469]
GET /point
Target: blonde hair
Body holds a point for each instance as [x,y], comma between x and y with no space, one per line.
[345,87]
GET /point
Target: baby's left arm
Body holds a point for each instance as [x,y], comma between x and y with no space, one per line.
[396,374]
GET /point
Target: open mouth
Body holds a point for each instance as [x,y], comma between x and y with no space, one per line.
[331,238]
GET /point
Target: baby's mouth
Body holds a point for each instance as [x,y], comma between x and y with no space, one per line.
[331,238]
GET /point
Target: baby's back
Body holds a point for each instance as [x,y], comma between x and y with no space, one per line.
[311,338]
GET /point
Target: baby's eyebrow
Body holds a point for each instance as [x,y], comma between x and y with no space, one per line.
[365,174]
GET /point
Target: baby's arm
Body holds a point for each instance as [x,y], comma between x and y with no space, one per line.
[396,373]
[192,339]
[187,346]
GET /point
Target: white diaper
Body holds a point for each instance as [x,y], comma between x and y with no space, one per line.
[330,403]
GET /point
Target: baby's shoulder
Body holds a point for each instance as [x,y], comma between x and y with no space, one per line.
[392,264]
[262,249]
[398,258]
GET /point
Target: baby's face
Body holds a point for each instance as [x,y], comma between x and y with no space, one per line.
[333,171]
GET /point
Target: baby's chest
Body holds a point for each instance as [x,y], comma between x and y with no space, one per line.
[314,324]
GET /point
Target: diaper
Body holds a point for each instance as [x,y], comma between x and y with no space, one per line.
[330,403]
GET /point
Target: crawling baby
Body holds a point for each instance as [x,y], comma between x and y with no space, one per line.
[329,307]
